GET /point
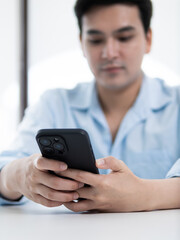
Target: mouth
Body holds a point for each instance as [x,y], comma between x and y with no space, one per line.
[112,69]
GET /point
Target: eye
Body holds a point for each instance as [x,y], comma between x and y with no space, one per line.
[125,39]
[95,41]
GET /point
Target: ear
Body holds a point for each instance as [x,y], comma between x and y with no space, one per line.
[148,40]
[81,43]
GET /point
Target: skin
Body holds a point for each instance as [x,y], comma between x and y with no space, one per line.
[114,43]
[122,191]
[30,177]
[116,65]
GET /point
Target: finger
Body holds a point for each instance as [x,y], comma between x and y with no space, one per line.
[110,163]
[57,196]
[86,192]
[81,176]
[58,183]
[49,164]
[81,206]
[46,202]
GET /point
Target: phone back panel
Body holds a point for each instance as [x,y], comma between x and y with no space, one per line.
[71,146]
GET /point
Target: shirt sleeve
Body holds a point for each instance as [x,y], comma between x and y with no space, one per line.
[24,144]
[175,170]
[5,201]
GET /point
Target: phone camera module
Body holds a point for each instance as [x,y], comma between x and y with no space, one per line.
[45,142]
[59,147]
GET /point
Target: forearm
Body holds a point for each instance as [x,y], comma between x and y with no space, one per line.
[8,181]
[162,194]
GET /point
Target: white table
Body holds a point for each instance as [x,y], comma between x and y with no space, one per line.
[32,221]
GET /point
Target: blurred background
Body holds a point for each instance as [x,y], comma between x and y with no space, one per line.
[54,56]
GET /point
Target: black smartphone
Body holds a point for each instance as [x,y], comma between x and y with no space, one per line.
[71,146]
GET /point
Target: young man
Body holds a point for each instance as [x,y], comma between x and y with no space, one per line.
[130,117]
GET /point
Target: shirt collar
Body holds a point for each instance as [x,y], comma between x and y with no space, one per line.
[82,96]
[85,99]
[153,96]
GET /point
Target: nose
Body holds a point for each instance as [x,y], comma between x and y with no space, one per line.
[110,49]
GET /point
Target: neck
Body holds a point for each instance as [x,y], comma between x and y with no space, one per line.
[118,100]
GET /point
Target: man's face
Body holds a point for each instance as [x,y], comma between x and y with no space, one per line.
[114,43]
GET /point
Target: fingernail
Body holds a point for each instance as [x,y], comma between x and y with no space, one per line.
[81,185]
[100,161]
[75,196]
[63,166]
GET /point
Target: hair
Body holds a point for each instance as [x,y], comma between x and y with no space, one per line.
[145,9]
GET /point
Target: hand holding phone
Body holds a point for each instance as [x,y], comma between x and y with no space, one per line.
[71,146]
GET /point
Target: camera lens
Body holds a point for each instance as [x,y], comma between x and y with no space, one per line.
[48,151]
[59,146]
[45,141]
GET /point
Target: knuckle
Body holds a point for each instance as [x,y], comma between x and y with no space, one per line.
[39,162]
[99,184]
[80,176]
[33,176]
[74,186]
[99,199]
[68,197]
[105,183]
[50,195]
[110,158]
[38,199]
[48,203]
[75,208]
[56,184]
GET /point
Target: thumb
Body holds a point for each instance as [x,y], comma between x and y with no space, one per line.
[110,163]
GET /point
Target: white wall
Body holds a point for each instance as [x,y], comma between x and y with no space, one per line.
[55,58]
[166,31]
[9,70]
[52,28]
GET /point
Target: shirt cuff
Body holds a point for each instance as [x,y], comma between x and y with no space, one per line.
[175,170]
[5,201]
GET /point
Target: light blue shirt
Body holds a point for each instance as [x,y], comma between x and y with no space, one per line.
[147,140]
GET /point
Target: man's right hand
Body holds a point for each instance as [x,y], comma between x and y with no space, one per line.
[32,178]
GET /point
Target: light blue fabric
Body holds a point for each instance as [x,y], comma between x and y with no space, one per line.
[147,140]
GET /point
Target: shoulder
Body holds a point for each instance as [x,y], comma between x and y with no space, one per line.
[159,89]
[76,94]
